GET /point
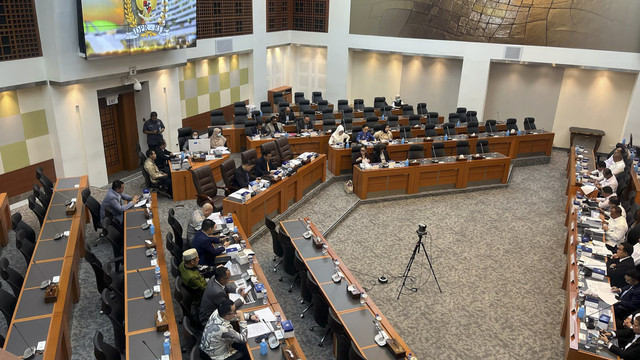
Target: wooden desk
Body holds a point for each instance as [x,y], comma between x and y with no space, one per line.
[450,173]
[594,134]
[513,146]
[286,94]
[356,318]
[5,219]
[299,144]
[182,180]
[37,320]
[277,197]
[139,313]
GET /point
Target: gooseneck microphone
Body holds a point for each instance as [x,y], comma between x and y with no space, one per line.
[30,351]
[148,293]
[45,282]
[152,353]
[59,234]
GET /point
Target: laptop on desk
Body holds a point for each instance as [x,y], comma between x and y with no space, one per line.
[199,145]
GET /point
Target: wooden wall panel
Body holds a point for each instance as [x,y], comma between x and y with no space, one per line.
[21,181]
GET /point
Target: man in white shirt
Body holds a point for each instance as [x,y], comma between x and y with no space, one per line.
[603,202]
[615,229]
[608,180]
[618,163]
[597,174]
[198,216]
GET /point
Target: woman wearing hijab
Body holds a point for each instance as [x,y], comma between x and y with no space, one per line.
[217,140]
[339,136]
[194,135]
[384,135]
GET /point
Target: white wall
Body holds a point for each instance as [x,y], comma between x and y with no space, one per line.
[309,69]
[373,75]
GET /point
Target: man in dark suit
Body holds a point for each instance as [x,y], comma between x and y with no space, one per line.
[305,125]
[162,157]
[242,177]
[204,242]
[619,264]
[628,296]
[218,287]
[264,165]
[632,349]
[286,116]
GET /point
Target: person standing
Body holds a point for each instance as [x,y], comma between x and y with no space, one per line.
[154,129]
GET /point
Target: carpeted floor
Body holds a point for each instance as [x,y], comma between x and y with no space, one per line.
[497,255]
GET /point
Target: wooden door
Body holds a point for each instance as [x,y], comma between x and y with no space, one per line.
[111,137]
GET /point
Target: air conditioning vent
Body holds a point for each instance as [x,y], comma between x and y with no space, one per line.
[513,52]
[224,46]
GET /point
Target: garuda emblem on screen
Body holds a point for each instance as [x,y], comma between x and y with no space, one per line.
[152,20]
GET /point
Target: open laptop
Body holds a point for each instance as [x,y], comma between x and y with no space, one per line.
[199,145]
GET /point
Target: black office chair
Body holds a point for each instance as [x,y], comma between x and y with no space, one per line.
[272,148]
[298,97]
[392,120]
[240,116]
[405,132]
[437,150]
[18,224]
[7,304]
[407,110]
[343,104]
[347,122]
[316,97]
[358,104]
[449,129]
[432,117]
[305,293]
[206,188]
[266,108]
[39,193]
[278,250]
[340,334]
[304,105]
[462,147]
[288,257]
[174,267]
[328,114]
[12,277]
[490,126]
[482,146]
[354,353]
[46,183]
[191,335]
[94,208]
[320,308]
[414,120]
[239,104]
[37,209]
[372,121]
[453,118]
[115,311]
[380,102]
[529,123]
[184,134]
[462,114]
[472,127]
[177,229]
[416,151]
[217,118]
[324,105]
[185,300]
[430,130]
[97,267]
[228,171]
[102,350]
[173,248]
[369,111]
[472,116]
[512,124]
[25,247]
[421,109]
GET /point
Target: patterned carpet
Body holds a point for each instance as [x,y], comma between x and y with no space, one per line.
[497,255]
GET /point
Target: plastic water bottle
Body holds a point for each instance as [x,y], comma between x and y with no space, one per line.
[579,250]
[519,132]
[406,162]
[167,343]
[446,137]
[265,301]
[506,133]
[250,261]
[347,144]
[235,229]
[581,312]
[158,276]
[402,141]
[263,347]
[152,230]
[458,123]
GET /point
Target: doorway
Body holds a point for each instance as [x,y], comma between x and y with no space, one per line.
[119,132]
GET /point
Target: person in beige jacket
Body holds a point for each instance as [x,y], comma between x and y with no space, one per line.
[384,135]
[155,175]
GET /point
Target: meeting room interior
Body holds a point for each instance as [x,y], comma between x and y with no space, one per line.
[319,179]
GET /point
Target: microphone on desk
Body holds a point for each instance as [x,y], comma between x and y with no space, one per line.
[44,283]
[58,233]
[404,130]
[69,199]
[152,353]
[148,293]
[30,351]
[271,337]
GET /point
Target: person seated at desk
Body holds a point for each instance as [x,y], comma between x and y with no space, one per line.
[361,157]
[190,275]
[194,135]
[339,136]
[264,165]
[384,135]
[113,201]
[156,176]
[204,242]
[242,177]
[286,116]
[633,237]
[598,173]
[628,296]
[614,200]
[219,340]
[274,126]
[217,140]
[259,129]
[305,125]
[220,284]
[619,264]
[380,154]
[615,228]
[364,135]
[632,349]
[397,102]
[608,180]
[603,202]
[163,156]
[618,163]
[197,217]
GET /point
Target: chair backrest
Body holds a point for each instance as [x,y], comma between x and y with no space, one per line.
[217,118]
[472,116]
[405,132]
[284,149]
[407,110]
[343,104]
[255,116]
[250,127]
[529,123]
[37,209]
[369,111]
[327,114]
[203,181]
[239,104]
[462,114]
[173,248]
[12,277]
[240,116]
[416,151]
[414,119]
[282,106]
[249,157]
[482,146]
[102,350]
[304,105]
[265,107]
[18,224]
[347,114]
[462,147]
[190,334]
[421,108]
[184,134]
[277,247]
[96,265]
[358,104]
[115,312]
[379,102]
[316,96]
[176,227]
[453,118]
[437,150]
[7,304]
[228,171]
[432,117]
[272,147]
[41,195]
[449,129]
[94,208]
[392,120]
[298,97]
[512,124]
[323,105]
[354,353]
[490,126]
[472,127]
[47,184]
[430,130]
[372,121]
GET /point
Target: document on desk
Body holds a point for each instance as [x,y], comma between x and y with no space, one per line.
[257,329]
[593,263]
[587,189]
[265,314]
[216,218]
[238,194]
[140,203]
[603,290]
[233,297]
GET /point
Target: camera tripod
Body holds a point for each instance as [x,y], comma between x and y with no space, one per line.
[421,232]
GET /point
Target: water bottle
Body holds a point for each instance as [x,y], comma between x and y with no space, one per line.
[158,276]
[265,301]
[579,250]
[446,137]
[167,343]
[229,221]
[163,307]
[402,141]
[145,193]
[235,229]
[250,261]
[458,123]
[278,320]
[263,347]
[506,133]
[519,132]
[581,312]
[347,144]
[406,162]
[152,229]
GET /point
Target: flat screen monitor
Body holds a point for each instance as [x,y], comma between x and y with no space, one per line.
[199,145]
[127,27]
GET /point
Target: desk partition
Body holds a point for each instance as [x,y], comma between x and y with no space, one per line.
[33,318]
